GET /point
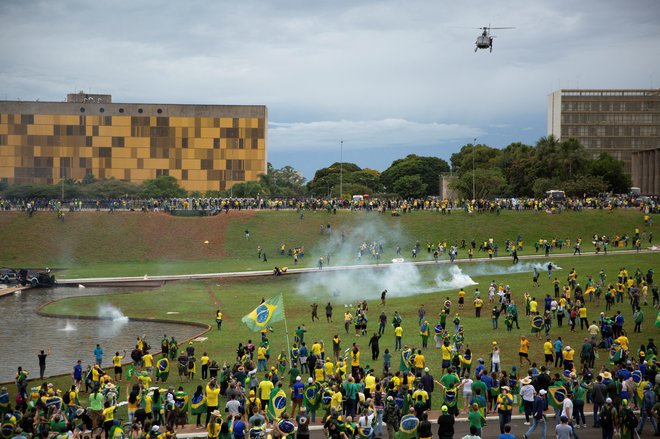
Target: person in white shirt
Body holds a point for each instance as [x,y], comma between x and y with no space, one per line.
[527,392]
[495,359]
[467,392]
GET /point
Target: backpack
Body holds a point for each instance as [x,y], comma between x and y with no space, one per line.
[66,398]
[630,420]
[606,416]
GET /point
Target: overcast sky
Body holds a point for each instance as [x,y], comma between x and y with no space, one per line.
[389,78]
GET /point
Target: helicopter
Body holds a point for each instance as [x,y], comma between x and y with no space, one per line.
[485,40]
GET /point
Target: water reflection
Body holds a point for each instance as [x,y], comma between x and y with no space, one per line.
[23,333]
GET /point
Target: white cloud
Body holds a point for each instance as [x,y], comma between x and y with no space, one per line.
[365,134]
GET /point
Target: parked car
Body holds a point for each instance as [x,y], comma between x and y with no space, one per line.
[36,278]
[7,275]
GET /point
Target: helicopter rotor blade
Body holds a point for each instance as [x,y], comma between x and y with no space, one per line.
[502,28]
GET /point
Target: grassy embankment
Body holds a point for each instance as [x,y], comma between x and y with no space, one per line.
[91,244]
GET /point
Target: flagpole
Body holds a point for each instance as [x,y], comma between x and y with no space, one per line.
[286,329]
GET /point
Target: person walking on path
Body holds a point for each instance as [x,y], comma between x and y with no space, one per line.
[538,416]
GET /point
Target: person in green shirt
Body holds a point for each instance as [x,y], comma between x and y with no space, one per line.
[475,418]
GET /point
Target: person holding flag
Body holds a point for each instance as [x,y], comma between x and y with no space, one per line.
[277,403]
[424,332]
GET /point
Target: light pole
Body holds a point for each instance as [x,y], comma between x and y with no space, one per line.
[474,146]
[341,168]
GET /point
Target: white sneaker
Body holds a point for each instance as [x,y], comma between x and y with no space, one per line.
[584,425]
[577,425]
[525,423]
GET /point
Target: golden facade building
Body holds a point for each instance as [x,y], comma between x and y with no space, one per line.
[616,122]
[205,147]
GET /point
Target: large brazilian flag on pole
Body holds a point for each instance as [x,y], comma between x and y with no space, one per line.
[269,312]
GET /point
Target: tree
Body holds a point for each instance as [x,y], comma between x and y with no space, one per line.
[428,169]
[164,186]
[249,189]
[285,181]
[611,171]
[354,180]
[410,186]
[584,185]
[488,183]
[484,157]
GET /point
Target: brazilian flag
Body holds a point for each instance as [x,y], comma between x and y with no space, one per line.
[163,369]
[269,312]
[130,371]
[198,404]
[407,427]
[616,353]
[181,401]
[556,396]
[637,376]
[311,397]
[537,324]
[657,320]
[406,359]
[277,404]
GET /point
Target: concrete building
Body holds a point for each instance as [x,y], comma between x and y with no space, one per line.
[646,171]
[616,122]
[205,147]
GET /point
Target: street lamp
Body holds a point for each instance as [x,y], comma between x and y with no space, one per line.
[474,146]
[341,168]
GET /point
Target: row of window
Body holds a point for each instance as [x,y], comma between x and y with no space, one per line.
[611,118]
[610,131]
[609,106]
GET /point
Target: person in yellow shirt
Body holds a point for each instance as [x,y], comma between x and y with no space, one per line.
[478,304]
[354,355]
[316,349]
[369,384]
[523,351]
[582,314]
[108,417]
[148,361]
[348,318]
[116,363]
[547,352]
[623,341]
[335,402]
[533,306]
[212,396]
[261,359]
[446,356]
[398,334]
[419,362]
[329,369]
[265,387]
[204,361]
[569,353]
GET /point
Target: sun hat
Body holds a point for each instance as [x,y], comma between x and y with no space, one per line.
[526,380]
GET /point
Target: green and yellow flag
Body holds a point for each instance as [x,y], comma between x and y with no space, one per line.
[269,312]
[277,404]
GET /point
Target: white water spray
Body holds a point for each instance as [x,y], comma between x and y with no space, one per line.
[69,326]
[114,321]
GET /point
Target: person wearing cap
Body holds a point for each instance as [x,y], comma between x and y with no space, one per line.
[527,393]
[627,420]
[445,424]
[608,419]
[391,416]
[538,416]
[296,395]
[504,407]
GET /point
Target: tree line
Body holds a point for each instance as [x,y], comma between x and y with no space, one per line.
[518,170]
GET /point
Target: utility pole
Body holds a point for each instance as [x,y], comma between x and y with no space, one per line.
[474,148]
[341,168]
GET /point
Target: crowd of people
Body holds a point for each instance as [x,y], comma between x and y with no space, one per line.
[396,204]
[257,393]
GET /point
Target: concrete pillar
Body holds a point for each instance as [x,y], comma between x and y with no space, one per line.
[656,172]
